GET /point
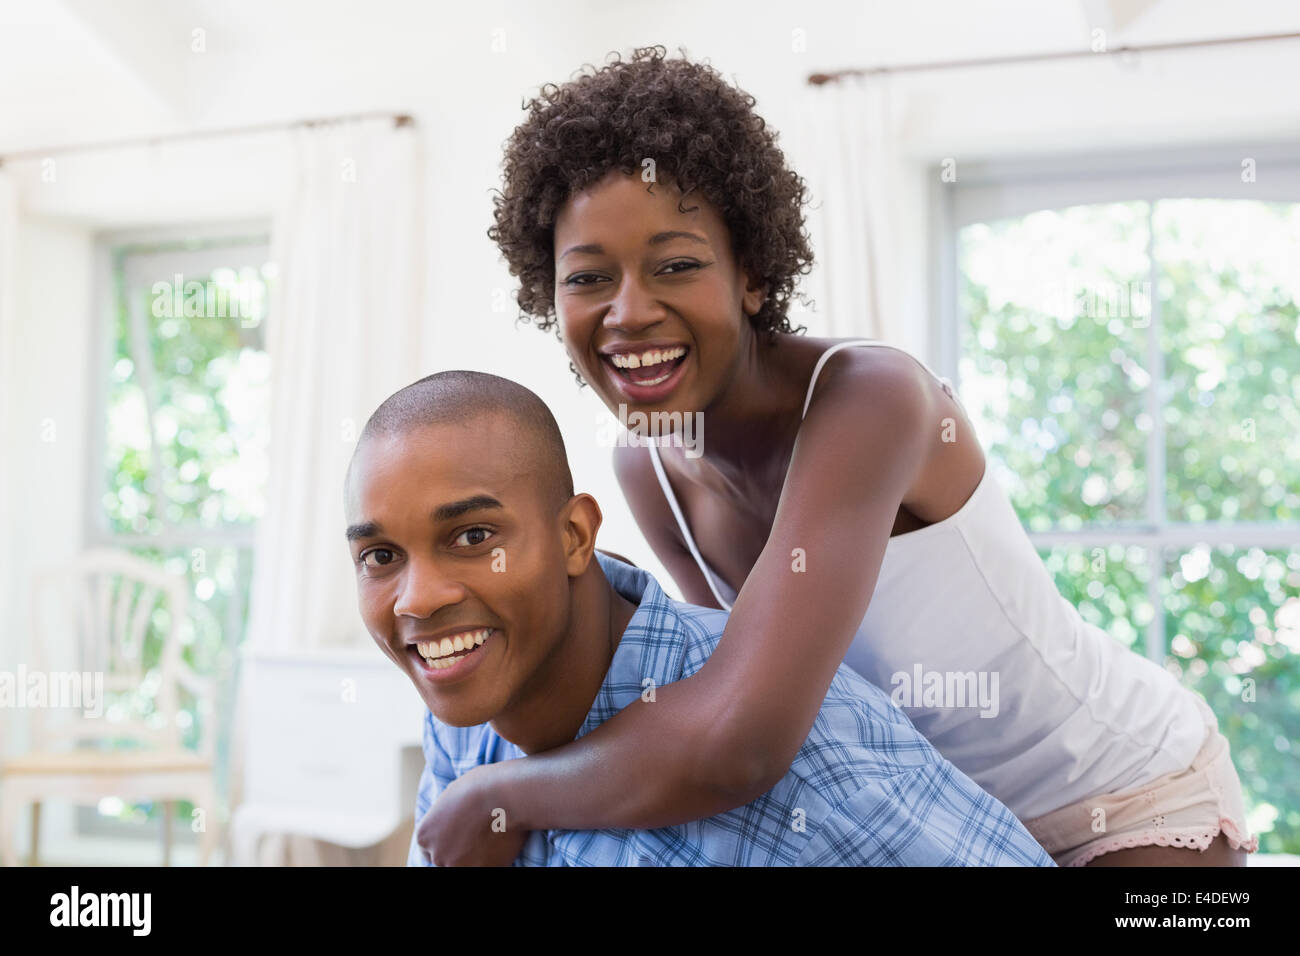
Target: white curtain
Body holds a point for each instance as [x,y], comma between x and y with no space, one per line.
[859,219]
[8,439]
[343,332]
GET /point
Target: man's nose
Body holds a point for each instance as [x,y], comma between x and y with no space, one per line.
[425,589]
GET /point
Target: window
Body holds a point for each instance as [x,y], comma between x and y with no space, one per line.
[183,413]
[1126,339]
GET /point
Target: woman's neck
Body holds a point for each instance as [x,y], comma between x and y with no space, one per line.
[752,424]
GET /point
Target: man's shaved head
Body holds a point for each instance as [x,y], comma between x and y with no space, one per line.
[460,396]
[465,534]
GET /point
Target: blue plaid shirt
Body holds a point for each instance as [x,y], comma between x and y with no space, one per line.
[865,789]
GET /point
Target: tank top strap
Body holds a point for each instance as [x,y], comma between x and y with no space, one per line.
[681,523]
[947,386]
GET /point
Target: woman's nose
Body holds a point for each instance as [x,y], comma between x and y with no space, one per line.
[634,308]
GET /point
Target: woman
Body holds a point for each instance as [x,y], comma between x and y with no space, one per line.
[841,509]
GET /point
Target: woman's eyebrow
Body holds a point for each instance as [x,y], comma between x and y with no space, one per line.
[661,237]
[596,249]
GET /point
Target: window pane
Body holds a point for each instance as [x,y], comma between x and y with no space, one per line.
[190,428]
[1056,309]
[1109,587]
[1233,620]
[128,450]
[1229,287]
[187,416]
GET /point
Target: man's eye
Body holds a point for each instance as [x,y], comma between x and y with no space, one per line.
[478,535]
[378,557]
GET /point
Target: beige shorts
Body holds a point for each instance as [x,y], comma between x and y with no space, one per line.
[1186,808]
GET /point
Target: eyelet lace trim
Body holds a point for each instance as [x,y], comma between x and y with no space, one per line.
[1191,839]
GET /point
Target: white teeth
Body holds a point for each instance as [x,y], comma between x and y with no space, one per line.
[655,381]
[433,651]
[647,358]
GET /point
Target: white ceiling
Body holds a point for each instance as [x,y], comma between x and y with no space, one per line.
[75,71]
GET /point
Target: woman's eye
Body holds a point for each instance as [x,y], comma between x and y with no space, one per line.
[478,534]
[685,264]
[378,557]
[582,278]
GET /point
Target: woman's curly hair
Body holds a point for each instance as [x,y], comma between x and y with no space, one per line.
[702,134]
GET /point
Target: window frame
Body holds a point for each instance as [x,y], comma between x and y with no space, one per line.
[96,531]
[1008,187]
[206,235]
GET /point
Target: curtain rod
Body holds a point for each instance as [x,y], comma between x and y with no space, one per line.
[399,120]
[819,79]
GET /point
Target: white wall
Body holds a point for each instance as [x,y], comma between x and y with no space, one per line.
[283,61]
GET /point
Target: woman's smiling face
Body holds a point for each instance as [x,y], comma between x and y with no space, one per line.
[639,282]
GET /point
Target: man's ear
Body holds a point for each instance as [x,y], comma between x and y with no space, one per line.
[580,520]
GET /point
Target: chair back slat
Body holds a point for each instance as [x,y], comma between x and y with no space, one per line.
[103,598]
[121,617]
[128,650]
[106,617]
[86,608]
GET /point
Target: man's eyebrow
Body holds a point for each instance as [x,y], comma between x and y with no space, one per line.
[367,529]
[596,249]
[454,509]
[473,503]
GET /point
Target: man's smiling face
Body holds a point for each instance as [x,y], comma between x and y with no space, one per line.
[453,535]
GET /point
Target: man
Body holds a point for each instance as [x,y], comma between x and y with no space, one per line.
[477,574]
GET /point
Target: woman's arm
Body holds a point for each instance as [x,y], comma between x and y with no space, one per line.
[725,735]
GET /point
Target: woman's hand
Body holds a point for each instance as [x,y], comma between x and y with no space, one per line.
[467,827]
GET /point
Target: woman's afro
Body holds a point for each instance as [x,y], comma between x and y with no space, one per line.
[702,135]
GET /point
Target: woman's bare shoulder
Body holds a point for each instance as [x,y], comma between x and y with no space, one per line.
[858,376]
[895,394]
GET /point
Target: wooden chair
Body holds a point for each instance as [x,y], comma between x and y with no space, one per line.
[113,608]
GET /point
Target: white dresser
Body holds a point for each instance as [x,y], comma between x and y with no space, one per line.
[332,748]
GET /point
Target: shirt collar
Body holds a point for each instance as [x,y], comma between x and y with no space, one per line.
[652,649]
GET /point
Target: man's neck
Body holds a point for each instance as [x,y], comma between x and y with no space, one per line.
[553,707]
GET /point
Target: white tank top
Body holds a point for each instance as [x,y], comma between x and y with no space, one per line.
[1078,714]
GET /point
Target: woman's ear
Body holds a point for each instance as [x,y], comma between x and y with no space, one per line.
[755,294]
